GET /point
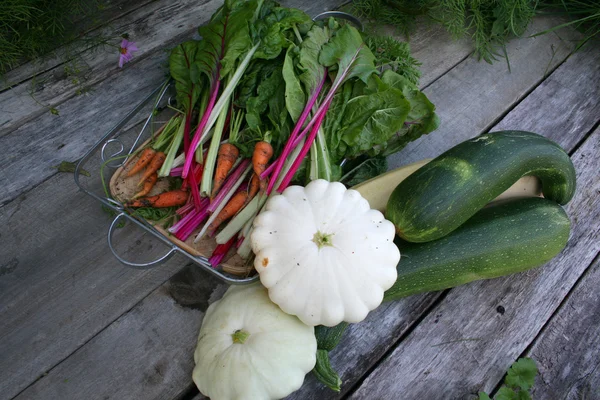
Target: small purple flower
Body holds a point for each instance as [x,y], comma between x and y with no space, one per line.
[126,50]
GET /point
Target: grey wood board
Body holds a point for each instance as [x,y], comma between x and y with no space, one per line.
[362,356]
[90,224]
[86,27]
[142,355]
[59,283]
[577,87]
[567,351]
[465,344]
[480,93]
[84,119]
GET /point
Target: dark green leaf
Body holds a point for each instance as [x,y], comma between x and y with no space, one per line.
[180,66]
[370,168]
[273,29]
[348,52]
[225,39]
[294,96]
[522,374]
[523,395]
[372,119]
[308,61]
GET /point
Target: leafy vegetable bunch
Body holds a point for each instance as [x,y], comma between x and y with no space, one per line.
[269,97]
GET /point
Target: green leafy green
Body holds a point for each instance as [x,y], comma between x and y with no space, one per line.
[348,52]
[308,59]
[273,28]
[180,66]
[224,39]
[522,374]
[294,95]
[519,379]
[372,119]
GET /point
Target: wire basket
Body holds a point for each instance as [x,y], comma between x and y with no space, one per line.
[107,158]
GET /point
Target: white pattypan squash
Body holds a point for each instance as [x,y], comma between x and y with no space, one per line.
[324,255]
[249,349]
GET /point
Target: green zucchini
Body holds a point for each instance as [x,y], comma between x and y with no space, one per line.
[499,240]
[440,196]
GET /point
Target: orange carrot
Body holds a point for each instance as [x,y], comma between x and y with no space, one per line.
[234,205]
[263,151]
[253,188]
[157,162]
[144,159]
[148,185]
[226,157]
[166,199]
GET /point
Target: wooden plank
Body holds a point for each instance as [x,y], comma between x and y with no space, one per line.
[480,93]
[567,351]
[361,348]
[148,357]
[59,283]
[467,342]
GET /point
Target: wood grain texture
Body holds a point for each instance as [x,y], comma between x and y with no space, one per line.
[467,342]
[474,95]
[59,283]
[139,356]
[567,351]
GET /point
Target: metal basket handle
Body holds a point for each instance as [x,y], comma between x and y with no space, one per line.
[147,265]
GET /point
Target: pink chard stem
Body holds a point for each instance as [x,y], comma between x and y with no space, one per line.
[189,156]
[293,136]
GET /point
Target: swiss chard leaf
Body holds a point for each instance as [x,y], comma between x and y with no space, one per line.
[224,40]
[421,119]
[295,99]
[273,28]
[333,122]
[347,51]
[372,119]
[308,60]
[180,61]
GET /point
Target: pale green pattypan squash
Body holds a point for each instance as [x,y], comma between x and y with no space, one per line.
[324,255]
[249,349]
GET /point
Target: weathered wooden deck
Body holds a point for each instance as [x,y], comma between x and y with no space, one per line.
[76,324]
